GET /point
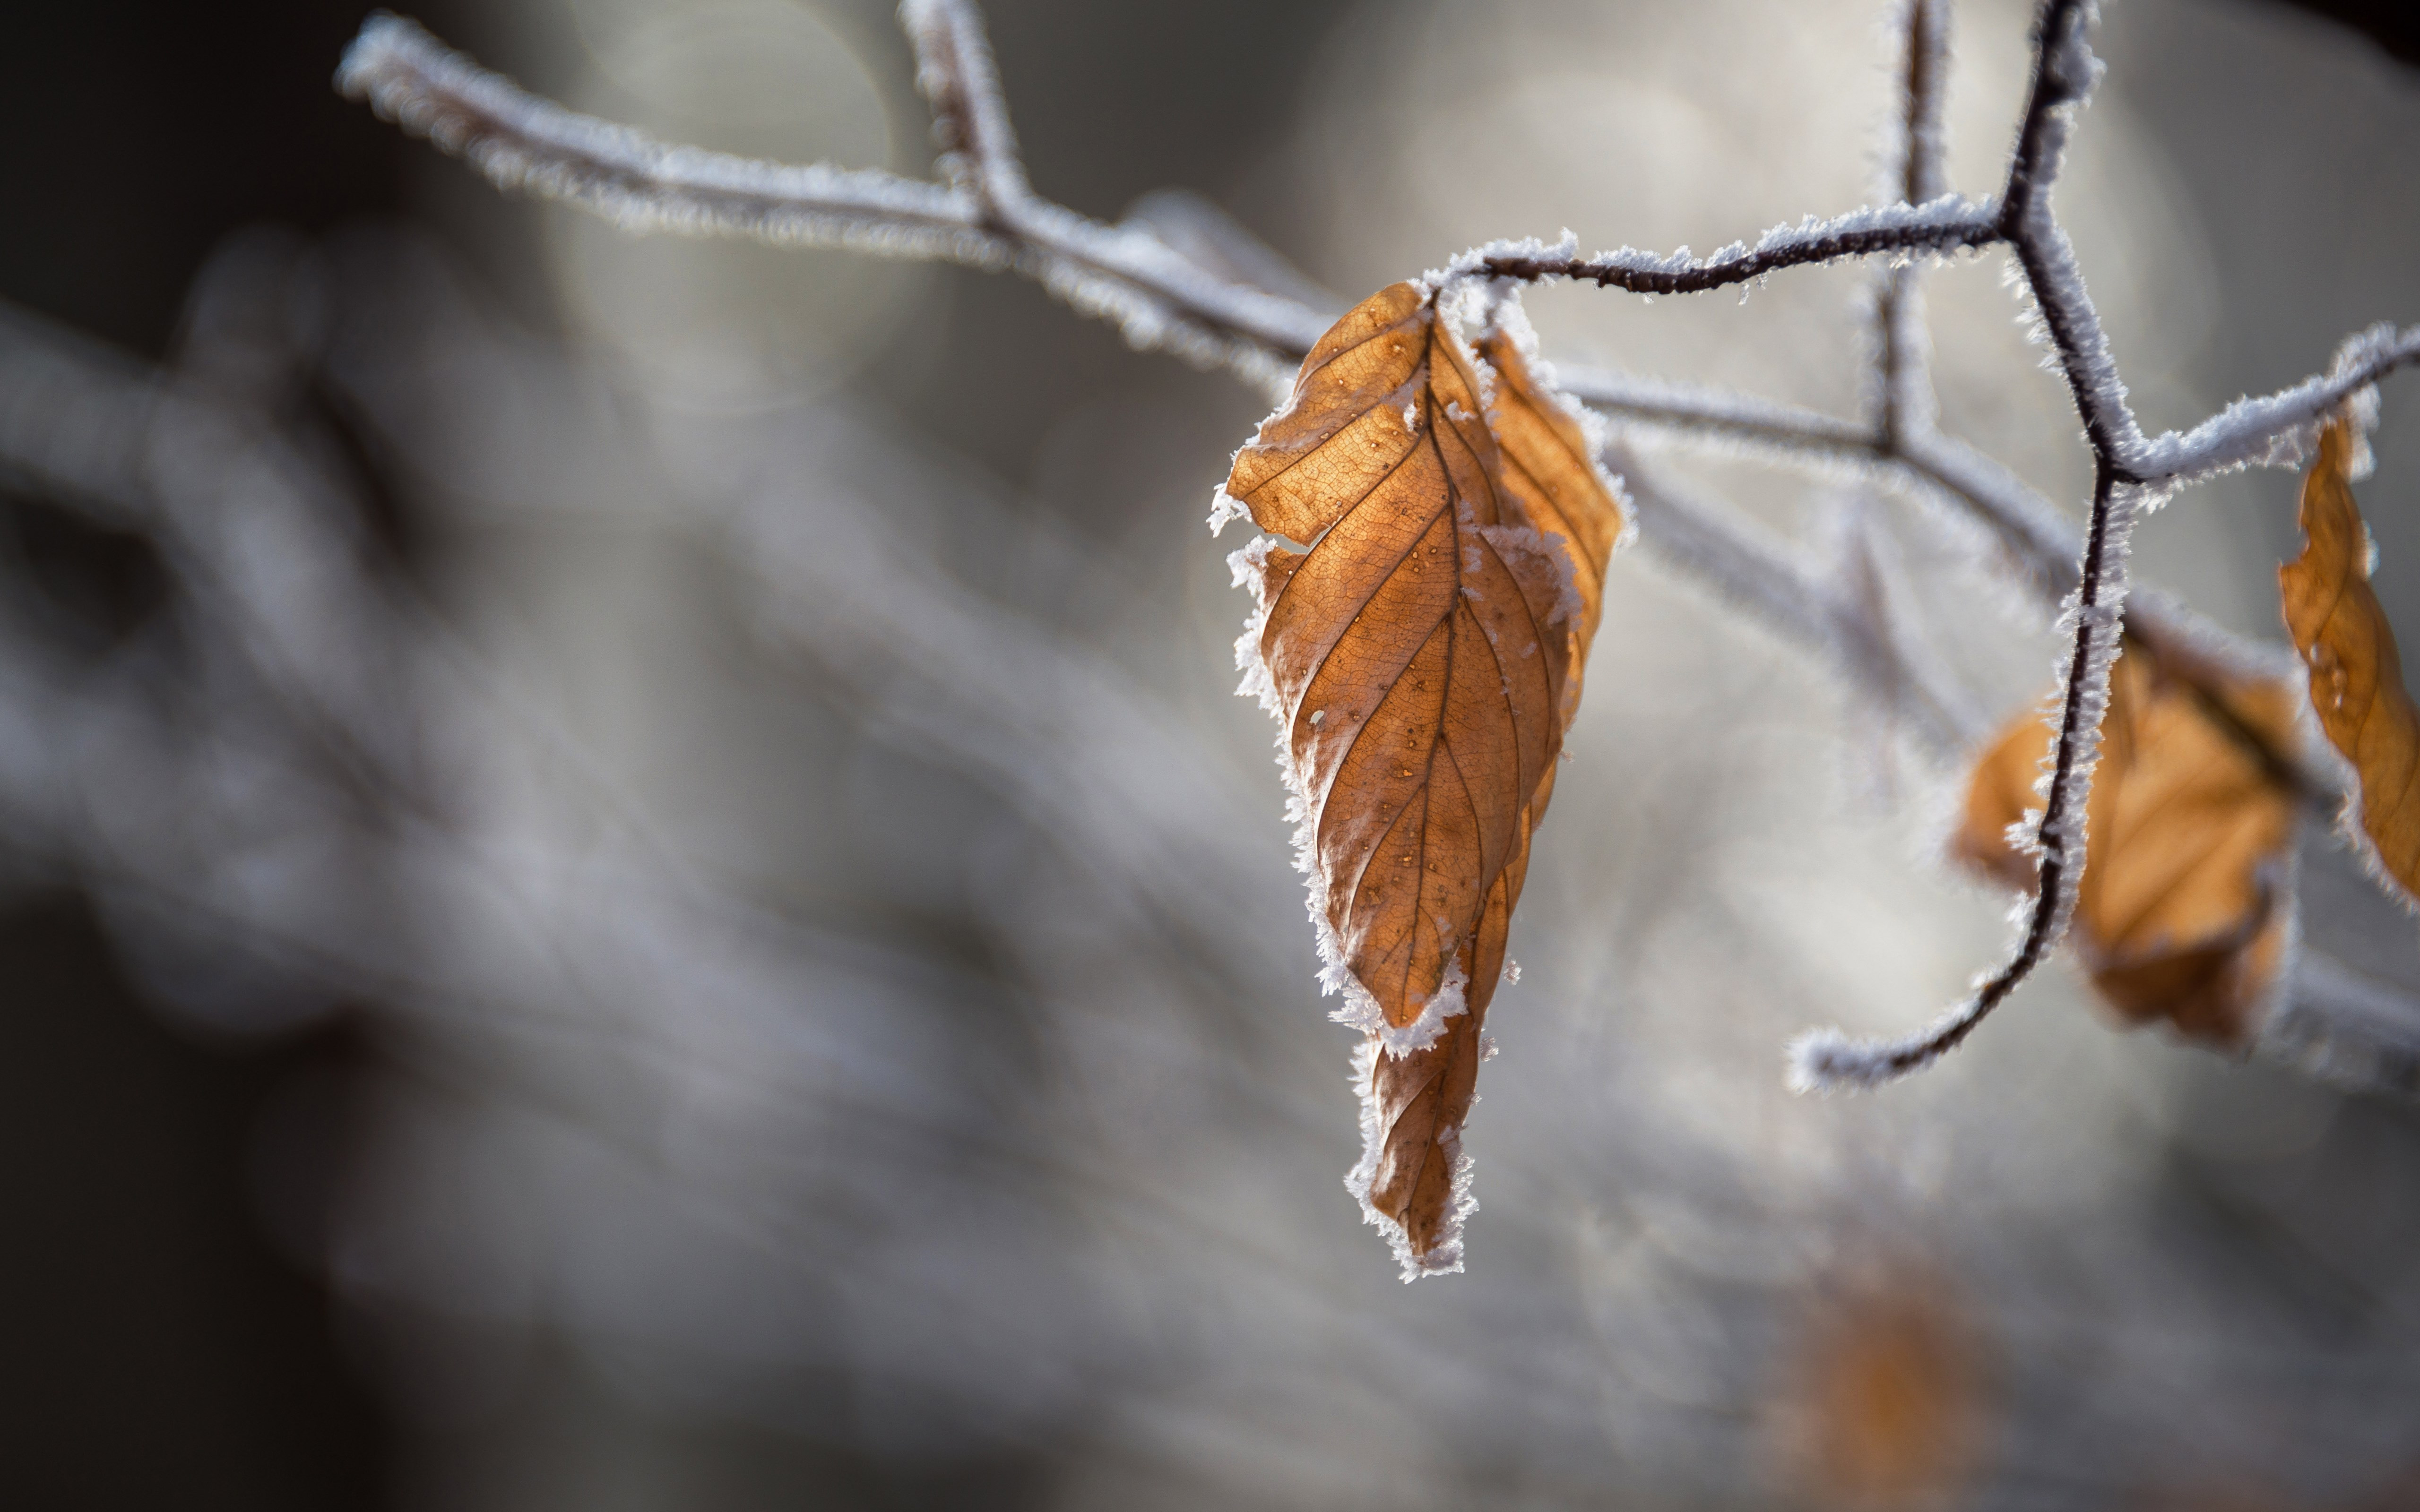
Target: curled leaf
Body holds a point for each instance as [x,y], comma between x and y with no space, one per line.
[1549,472]
[2183,912]
[1423,656]
[2356,673]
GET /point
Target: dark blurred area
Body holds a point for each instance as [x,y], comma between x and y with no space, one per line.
[161,1351]
[2392,26]
[163,1347]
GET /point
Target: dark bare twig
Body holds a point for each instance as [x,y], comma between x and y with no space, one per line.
[953,67]
[1947,224]
[2064,73]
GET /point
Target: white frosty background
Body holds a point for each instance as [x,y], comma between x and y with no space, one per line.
[848,1018]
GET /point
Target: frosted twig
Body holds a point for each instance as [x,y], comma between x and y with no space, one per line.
[526,144]
[1945,225]
[955,69]
[2277,429]
[1925,149]
[1903,397]
[2274,430]
[523,143]
[1773,580]
[2039,542]
[2340,1026]
[2065,71]
[1213,242]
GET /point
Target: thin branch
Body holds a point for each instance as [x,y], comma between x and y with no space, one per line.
[2272,430]
[955,69]
[1925,151]
[1771,580]
[2040,540]
[2040,543]
[2065,71]
[2339,1025]
[2277,429]
[1826,1060]
[523,143]
[531,145]
[1946,224]
[1903,397]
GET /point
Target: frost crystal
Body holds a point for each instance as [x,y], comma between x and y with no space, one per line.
[1225,509]
[1247,564]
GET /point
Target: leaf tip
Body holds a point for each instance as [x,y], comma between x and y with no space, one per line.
[1443,1254]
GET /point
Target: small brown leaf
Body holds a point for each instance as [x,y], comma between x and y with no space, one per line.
[2356,673]
[2181,914]
[1888,1406]
[1423,656]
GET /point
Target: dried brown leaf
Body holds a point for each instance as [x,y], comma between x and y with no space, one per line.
[2356,672]
[2183,913]
[1888,1406]
[1423,655]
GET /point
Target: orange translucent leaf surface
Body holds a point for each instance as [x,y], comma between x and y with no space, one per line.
[2356,673]
[1549,472]
[2182,911]
[1423,655]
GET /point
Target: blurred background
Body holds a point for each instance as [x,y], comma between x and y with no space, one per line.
[631,881]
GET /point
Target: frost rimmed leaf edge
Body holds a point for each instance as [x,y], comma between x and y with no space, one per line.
[1461,300]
